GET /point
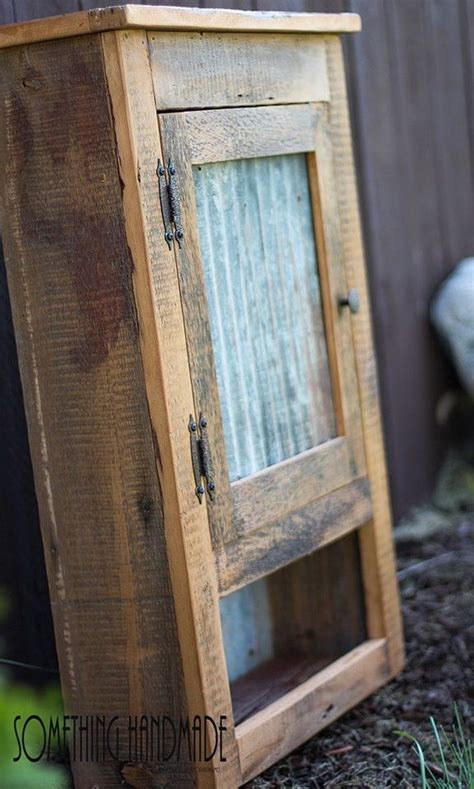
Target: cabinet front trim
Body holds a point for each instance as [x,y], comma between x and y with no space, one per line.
[201,70]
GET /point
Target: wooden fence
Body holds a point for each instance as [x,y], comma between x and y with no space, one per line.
[411,77]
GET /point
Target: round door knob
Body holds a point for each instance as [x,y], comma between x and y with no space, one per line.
[351,300]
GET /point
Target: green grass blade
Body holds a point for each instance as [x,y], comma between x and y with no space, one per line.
[421,756]
[441,752]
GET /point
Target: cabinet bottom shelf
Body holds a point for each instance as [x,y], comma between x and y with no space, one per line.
[270,681]
[289,720]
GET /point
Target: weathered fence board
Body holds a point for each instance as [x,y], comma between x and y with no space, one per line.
[410,94]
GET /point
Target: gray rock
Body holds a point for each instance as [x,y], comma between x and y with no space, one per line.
[455,485]
[452,314]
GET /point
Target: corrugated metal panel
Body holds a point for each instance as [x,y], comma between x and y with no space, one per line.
[247,629]
[259,257]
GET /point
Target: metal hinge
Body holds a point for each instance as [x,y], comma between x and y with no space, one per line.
[169,201]
[201,457]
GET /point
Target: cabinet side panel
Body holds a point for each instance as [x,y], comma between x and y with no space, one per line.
[376,545]
[93,448]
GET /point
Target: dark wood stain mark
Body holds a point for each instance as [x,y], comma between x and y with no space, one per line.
[147,509]
[71,283]
[76,157]
[157,448]
[265,550]
[270,681]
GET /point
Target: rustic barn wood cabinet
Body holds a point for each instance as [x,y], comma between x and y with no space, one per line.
[186,271]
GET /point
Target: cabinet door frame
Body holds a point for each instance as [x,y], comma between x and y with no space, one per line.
[260,523]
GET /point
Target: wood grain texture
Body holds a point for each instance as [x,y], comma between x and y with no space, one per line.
[407,59]
[171,18]
[233,69]
[195,137]
[176,142]
[223,134]
[7,12]
[270,681]
[453,149]
[169,395]
[381,593]
[303,478]
[298,611]
[160,384]
[318,602]
[273,545]
[92,443]
[31,9]
[334,286]
[467,17]
[284,724]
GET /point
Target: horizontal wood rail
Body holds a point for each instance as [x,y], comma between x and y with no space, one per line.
[270,494]
[272,733]
[262,551]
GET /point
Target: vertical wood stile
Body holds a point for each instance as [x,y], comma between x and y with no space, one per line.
[377,555]
[169,393]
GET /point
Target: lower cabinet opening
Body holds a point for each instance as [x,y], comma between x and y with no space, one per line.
[281,630]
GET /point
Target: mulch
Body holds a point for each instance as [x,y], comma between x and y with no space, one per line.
[361,749]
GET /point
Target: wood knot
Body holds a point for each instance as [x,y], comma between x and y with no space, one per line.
[146,507]
[35,84]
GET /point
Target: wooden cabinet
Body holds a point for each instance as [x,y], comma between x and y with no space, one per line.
[186,270]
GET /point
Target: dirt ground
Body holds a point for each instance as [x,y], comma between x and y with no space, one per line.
[436,574]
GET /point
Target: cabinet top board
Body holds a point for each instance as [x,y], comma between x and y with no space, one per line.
[173,18]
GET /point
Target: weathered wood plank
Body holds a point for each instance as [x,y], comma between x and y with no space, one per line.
[269,495]
[381,593]
[467,33]
[224,134]
[169,395]
[7,12]
[34,9]
[450,94]
[408,165]
[273,732]
[260,552]
[92,443]
[386,206]
[172,18]
[298,611]
[270,681]
[175,141]
[334,284]
[202,70]
[318,602]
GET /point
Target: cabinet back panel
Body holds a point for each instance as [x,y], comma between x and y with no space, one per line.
[200,70]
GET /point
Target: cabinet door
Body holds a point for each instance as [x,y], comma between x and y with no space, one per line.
[270,346]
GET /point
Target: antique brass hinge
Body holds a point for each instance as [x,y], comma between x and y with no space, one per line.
[169,201]
[201,457]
